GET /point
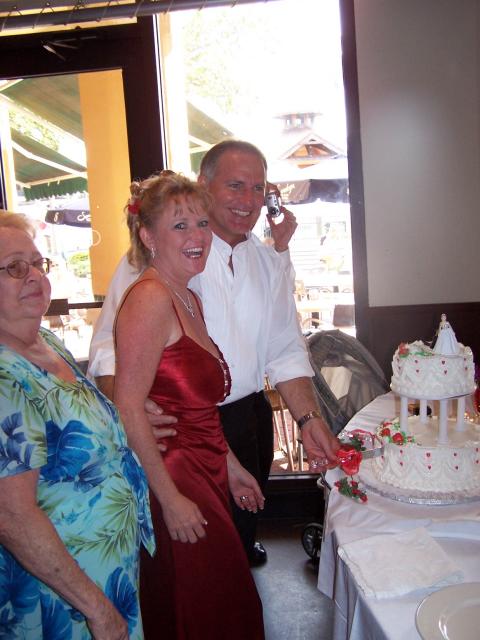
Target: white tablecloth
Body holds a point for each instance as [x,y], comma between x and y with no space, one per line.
[455,527]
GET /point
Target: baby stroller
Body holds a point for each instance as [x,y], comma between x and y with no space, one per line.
[347,377]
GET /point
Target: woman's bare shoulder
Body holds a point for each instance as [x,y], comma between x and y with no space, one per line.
[147,312]
[148,291]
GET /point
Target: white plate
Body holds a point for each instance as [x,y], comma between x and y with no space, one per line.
[452,613]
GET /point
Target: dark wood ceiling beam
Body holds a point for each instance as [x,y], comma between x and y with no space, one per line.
[75,13]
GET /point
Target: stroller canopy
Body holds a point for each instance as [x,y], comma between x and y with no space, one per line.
[361,379]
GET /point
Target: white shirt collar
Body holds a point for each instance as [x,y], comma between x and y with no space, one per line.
[224,249]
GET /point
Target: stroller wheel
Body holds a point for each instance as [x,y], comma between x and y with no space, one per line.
[312,539]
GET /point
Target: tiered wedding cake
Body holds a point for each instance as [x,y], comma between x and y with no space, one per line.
[438,454]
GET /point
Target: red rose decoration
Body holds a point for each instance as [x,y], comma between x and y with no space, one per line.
[397,438]
[385,432]
[349,460]
[350,489]
[403,349]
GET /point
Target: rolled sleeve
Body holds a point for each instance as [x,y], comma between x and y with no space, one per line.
[101,359]
[287,353]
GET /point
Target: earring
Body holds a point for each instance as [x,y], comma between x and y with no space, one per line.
[152,251]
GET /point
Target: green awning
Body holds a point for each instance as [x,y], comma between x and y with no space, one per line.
[204,131]
[53,98]
[42,171]
[29,168]
[61,188]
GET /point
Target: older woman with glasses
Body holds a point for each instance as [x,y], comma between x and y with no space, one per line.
[73,500]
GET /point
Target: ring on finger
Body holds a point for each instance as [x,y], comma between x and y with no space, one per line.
[315,464]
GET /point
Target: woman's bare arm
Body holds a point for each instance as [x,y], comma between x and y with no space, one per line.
[27,532]
[243,486]
[145,326]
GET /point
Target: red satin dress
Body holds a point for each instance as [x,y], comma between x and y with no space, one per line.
[201,591]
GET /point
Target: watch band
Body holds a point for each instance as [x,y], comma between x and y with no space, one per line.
[308,416]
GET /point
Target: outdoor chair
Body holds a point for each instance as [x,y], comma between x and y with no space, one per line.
[281,417]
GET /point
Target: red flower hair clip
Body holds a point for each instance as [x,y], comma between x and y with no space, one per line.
[134,206]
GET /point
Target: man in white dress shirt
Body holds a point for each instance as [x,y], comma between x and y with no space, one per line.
[250,314]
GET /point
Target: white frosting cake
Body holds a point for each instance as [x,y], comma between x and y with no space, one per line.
[419,372]
[435,454]
[414,460]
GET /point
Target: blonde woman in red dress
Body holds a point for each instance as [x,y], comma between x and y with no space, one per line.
[199,583]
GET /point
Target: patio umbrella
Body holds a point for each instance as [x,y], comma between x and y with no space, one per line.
[74,213]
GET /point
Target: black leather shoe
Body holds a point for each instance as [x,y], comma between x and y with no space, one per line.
[257,555]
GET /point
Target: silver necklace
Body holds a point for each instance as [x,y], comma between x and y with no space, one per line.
[186,303]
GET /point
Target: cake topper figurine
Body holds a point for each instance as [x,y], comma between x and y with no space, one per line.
[446,343]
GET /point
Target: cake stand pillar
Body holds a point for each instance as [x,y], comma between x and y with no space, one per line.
[460,414]
[442,422]
[404,414]
[423,411]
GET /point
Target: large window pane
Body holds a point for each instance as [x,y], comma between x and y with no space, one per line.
[65,158]
[271,73]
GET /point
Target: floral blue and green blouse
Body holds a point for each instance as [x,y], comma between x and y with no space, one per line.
[90,486]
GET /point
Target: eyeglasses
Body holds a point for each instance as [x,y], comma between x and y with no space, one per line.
[19,268]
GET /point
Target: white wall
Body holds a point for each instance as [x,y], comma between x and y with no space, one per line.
[418,73]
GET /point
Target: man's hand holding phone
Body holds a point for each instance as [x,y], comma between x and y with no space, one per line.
[284,230]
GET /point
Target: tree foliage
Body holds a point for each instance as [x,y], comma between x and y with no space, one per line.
[79,263]
[220,58]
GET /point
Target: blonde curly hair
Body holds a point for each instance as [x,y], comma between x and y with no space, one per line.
[148,200]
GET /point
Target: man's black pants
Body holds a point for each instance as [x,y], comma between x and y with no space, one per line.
[248,427]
